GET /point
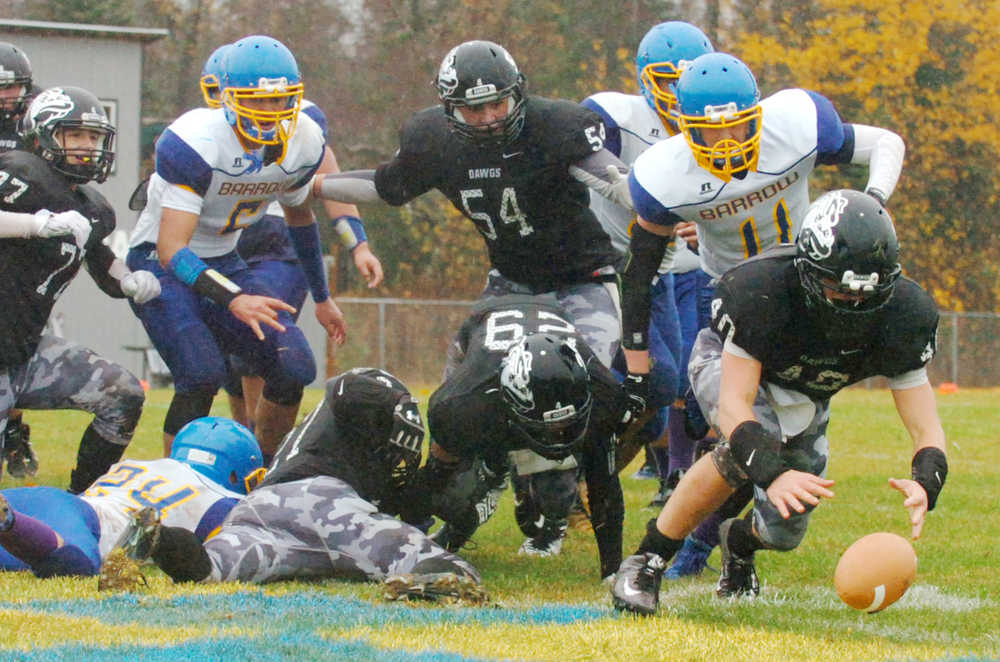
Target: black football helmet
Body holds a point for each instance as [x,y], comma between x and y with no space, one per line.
[546,387]
[478,72]
[847,256]
[15,69]
[70,108]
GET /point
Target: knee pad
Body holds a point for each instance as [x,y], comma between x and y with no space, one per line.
[185,407]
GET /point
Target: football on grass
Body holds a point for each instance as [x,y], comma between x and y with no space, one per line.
[875,571]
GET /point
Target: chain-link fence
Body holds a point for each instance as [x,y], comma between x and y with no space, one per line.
[409,337]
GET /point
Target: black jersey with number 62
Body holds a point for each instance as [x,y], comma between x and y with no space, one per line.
[533,214]
[35,271]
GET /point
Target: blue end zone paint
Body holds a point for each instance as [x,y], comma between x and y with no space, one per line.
[286,626]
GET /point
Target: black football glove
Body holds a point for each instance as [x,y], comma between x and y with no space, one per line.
[636,389]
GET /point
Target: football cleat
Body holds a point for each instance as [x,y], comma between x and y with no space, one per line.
[449,586]
[120,573]
[739,577]
[548,542]
[17,451]
[449,537]
[139,538]
[637,583]
[690,560]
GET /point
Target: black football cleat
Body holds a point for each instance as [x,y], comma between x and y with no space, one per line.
[739,577]
[637,584]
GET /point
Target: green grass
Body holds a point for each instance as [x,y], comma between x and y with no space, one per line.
[556,608]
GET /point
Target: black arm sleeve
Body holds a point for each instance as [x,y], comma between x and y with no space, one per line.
[645,254]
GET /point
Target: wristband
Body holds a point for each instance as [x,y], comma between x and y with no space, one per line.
[350,231]
[305,239]
[213,285]
[192,271]
[757,452]
[186,266]
[929,468]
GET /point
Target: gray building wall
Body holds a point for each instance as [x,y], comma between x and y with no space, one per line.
[107,60]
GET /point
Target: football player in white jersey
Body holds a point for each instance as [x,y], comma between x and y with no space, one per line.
[635,122]
[739,171]
[213,464]
[268,249]
[217,170]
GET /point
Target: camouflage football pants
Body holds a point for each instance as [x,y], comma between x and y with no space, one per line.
[64,375]
[808,450]
[320,528]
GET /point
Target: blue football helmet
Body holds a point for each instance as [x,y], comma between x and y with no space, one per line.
[718,92]
[662,54]
[211,77]
[261,90]
[222,450]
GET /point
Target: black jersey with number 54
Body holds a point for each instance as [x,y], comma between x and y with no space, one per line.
[533,214]
[35,271]
[760,306]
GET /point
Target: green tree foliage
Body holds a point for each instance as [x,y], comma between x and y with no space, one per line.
[930,72]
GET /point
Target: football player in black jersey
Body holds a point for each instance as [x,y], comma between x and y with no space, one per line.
[790,329]
[526,382]
[16,91]
[326,508]
[51,222]
[519,167]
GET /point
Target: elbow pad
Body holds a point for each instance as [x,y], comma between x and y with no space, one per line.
[646,251]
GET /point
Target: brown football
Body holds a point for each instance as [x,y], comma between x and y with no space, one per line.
[875,571]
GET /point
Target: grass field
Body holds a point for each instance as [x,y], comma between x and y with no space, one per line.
[555,608]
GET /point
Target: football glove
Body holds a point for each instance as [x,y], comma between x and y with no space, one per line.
[71,222]
[141,286]
[636,388]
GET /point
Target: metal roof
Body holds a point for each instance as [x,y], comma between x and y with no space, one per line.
[84,29]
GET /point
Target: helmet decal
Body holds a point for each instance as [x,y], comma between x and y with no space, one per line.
[447,80]
[50,105]
[515,378]
[818,226]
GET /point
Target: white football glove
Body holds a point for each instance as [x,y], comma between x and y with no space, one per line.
[66,222]
[619,186]
[141,286]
